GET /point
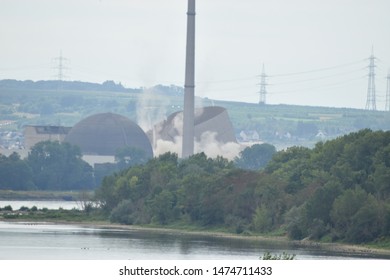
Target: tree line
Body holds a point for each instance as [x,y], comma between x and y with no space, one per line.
[50,165]
[339,190]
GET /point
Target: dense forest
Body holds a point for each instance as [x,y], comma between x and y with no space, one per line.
[49,164]
[338,190]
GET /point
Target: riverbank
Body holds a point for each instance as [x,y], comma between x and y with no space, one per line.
[345,249]
[353,250]
[96,219]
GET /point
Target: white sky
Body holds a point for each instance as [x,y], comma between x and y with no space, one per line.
[142,43]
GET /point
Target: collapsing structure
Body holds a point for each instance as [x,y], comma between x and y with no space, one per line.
[213,120]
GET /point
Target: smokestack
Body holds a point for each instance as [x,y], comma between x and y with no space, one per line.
[189,87]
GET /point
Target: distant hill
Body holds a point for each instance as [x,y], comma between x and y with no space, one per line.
[66,103]
[65,85]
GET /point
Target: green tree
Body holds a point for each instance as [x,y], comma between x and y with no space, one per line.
[124,213]
[367,223]
[320,204]
[345,207]
[59,166]
[255,157]
[129,156]
[15,174]
[262,222]
[162,207]
[296,222]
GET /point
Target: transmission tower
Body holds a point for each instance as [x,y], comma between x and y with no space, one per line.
[371,94]
[263,89]
[60,62]
[387,106]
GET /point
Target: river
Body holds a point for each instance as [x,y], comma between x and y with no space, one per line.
[49,204]
[40,241]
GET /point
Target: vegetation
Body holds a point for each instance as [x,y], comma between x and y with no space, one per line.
[255,157]
[284,256]
[52,163]
[47,167]
[55,215]
[337,191]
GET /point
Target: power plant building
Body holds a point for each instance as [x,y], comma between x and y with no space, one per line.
[211,119]
[34,134]
[101,136]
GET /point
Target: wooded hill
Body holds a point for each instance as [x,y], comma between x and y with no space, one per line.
[338,190]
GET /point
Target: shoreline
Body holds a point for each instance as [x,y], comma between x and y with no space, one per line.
[362,251]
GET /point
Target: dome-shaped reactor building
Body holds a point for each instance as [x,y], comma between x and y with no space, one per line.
[103,134]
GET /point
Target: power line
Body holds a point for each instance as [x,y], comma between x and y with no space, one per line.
[228,80]
[318,78]
[331,85]
[276,82]
[317,70]
[23,68]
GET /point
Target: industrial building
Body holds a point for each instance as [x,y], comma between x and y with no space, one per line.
[34,134]
[101,135]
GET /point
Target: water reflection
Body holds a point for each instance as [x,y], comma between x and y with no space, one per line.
[48,241]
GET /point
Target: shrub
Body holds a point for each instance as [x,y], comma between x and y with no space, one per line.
[283,256]
[7,208]
[123,213]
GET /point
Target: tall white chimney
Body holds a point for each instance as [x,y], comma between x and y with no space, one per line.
[189,86]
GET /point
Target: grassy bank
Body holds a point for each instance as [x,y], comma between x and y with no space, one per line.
[33,214]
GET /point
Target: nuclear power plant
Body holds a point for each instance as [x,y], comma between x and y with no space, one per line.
[101,135]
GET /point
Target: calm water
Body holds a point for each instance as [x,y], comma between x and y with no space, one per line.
[51,241]
[16,204]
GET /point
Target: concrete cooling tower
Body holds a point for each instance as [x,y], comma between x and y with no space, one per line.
[207,119]
[103,134]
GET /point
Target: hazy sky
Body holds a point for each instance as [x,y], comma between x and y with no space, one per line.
[323,45]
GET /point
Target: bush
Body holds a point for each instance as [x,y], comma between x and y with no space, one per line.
[284,256]
[123,213]
[318,229]
[6,208]
[262,221]
[296,223]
